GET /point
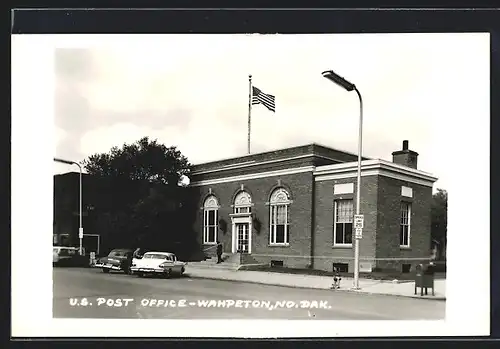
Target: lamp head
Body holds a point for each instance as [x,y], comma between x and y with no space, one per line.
[64,161]
[337,79]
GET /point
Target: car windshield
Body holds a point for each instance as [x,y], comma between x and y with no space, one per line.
[117,253]
[157,256]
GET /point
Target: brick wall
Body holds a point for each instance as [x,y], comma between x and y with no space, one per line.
[380,205]
[389,197]
[324,250]
[300,188]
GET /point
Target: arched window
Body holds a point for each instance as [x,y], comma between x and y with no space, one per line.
[279,229]
[210,220]
[243,203]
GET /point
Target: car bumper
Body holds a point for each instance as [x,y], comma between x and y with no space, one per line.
[67,260]
[148,270]
[107,266]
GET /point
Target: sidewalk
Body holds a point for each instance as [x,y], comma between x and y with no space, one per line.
[367,286]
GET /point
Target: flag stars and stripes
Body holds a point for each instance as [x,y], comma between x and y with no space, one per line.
[259,97]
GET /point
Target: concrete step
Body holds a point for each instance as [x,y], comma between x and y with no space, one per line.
[204,264]
[233,258]
[225,257]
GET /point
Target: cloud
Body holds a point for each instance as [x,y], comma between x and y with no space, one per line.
[75,64]
[60,135]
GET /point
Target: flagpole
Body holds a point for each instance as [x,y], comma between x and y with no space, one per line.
[249,109]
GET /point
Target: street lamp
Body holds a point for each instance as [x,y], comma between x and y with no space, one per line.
[330,75]
[80,228]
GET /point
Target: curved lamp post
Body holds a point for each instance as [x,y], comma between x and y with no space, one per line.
[340,81]
[80,229]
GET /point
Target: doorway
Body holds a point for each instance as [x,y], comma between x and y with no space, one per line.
[242,237]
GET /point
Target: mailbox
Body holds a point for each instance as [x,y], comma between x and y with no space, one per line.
[92,259]
[424,278]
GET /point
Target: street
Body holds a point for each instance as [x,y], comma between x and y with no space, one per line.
[89,293]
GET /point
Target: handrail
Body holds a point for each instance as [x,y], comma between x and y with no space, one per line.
[208,248]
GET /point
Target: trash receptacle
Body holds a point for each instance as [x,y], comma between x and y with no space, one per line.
[424,278]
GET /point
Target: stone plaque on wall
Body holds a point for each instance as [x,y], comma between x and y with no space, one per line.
[365,267]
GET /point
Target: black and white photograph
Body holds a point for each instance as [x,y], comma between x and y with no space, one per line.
[232,177]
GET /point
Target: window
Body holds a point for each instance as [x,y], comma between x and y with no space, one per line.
[210,220]
[247,209]
[243,203]
[405,268]
[117,253]
[279,230]
[276,263]
[341,267]
[342,227]
[157,256]
[404,228]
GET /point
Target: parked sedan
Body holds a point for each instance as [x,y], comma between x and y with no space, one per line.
[158,263]
[67,256]
[118,259]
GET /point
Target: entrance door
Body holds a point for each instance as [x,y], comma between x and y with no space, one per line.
[242,232]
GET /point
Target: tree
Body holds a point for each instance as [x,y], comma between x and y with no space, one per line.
[143,160]
[165,212]
[144,198]
[439,218]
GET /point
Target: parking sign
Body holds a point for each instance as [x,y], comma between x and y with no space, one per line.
[358,233]
[358,221]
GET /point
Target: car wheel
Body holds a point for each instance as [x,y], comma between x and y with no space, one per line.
[168,273]
[105,270]
[140,275]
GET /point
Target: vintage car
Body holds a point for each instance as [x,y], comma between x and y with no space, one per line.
[65,255]
[158,263]
[118,259]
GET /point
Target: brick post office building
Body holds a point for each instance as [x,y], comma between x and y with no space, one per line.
[295,207]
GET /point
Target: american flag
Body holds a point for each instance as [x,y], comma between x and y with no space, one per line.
[259,97]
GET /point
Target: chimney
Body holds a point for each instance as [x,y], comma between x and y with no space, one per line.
[405,157]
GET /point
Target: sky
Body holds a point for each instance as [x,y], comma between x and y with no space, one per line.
[191,91]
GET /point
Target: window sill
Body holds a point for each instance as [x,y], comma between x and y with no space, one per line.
[278,245]
[404,247]
[345,246]
[209,243]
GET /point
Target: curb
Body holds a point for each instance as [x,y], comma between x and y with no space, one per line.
[436,298]
[243,267]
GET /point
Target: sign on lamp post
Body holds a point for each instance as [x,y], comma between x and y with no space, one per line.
[358,226]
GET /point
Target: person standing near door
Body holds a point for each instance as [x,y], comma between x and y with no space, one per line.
[219,252]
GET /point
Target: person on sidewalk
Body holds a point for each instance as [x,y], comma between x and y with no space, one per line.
[219,252]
